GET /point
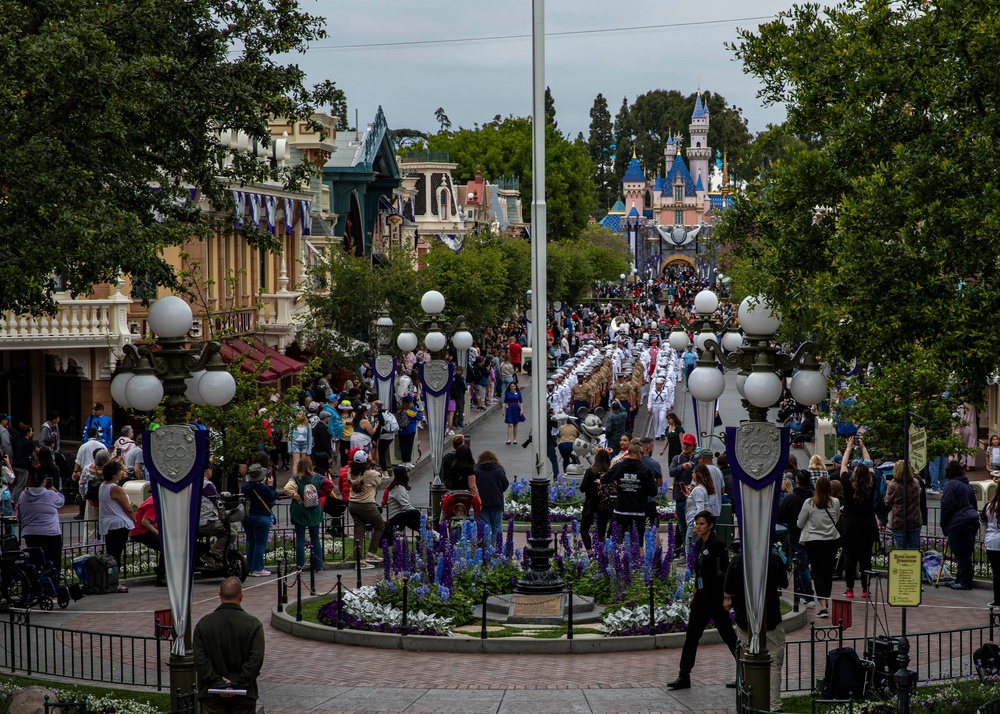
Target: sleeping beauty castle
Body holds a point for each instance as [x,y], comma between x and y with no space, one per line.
[668,219]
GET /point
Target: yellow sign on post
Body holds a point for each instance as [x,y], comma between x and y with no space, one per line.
[904,578]
[918,447]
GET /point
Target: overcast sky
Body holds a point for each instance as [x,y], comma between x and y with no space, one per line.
[475,80]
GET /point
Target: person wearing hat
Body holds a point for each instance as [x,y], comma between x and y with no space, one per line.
[321,441]
[102,422]
[735,597]
[365,480]
[408,418]
[346,409]
[660,400]
[260,496]
[680,470]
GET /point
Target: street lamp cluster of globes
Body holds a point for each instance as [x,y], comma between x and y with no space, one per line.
[432,303]
[137,384]
[752,354]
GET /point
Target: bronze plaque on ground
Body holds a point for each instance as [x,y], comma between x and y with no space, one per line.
[537,606]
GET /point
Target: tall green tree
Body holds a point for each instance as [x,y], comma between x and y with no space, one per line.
[550,109]
[624,139]
[600,147]
[502,147]
[442,119]
[341,325]
[100,102]
[881,243]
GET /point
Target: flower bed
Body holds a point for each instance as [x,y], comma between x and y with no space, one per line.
[104,703]
[443,574]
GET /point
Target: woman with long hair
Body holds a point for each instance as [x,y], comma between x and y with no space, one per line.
[365,479]
[364,430]
[491,482]
[991,516]
[675,431]
[306,515]
[817,469]
[400,511]
[462,474]
[702,486]
[820,537]
[860,523]
[904,478]
[299,440]
[590,486]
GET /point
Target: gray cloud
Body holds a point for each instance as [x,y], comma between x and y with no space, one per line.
[474,81]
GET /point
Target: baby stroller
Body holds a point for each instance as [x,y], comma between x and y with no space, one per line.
[458,506]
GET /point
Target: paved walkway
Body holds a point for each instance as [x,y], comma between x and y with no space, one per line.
[304,676]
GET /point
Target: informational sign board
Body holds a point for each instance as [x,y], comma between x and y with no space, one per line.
[918,448]
[904,578]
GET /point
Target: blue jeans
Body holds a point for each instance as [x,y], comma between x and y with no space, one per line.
[257,527]
[493,517]
[962,542]
[300,546]
[803,580]
[912,539]
[935,469]
[550,451]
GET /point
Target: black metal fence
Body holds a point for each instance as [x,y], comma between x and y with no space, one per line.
[78,654]
[140,561]
[934,656]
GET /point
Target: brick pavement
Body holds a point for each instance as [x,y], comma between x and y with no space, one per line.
[368,680]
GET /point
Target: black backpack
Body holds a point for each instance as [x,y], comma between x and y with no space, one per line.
[102,574]
[845,677]
[986,660]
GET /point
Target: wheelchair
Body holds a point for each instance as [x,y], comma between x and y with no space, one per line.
[27,579]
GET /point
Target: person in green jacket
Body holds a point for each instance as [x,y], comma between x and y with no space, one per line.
[228,653]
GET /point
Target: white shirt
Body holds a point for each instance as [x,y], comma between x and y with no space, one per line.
[85,454]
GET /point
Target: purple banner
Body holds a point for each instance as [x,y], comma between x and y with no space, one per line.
[751,481]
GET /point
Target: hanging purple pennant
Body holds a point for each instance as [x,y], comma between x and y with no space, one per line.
[241,207]
[289,215]
[255,210]
[306,220]
[271,211]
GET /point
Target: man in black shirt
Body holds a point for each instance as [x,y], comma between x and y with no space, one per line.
[710,566]
[460,393]
[788,514]
[777,580]
[635,484]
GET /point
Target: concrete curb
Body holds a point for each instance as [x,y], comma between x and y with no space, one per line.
[285,622]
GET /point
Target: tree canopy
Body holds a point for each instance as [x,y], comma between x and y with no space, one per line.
[880,242]
[601,147]
[502,147]
[102,102]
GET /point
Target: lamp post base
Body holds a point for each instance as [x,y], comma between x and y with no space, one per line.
[182,677]
[539,578]
[438,490]
[757,676]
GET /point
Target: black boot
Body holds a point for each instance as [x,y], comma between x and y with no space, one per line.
[683,681]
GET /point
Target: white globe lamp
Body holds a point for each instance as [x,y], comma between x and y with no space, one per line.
[217,387]
[808,386]
[732,341]
[462,340]
[741,381]
[435,341]
[679,340]
[118,386]
[706,384]
[432,302]
[762,389]
[706,302]
[170,317]
[406,341]
[702,338]
[192,392]
[757,316]
[143,392]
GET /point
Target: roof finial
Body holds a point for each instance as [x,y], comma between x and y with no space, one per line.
[633,150]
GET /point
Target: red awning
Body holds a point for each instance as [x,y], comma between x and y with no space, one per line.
[279,365]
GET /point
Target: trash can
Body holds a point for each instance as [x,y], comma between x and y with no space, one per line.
[137,492]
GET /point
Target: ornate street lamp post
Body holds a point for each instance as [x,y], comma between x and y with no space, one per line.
[435,379]
[175,454]
[384,364]
[757,450]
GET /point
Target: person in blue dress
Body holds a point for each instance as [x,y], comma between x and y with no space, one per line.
[513,413]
